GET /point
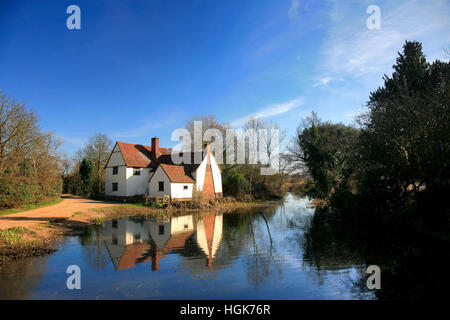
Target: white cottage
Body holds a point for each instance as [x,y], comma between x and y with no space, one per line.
[134,169]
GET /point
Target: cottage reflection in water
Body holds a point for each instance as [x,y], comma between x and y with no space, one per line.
[130,241]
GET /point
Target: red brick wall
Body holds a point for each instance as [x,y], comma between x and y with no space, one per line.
[208,185]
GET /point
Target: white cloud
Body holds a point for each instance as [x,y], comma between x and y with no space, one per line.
[270,110]
[355,51]
[322,81]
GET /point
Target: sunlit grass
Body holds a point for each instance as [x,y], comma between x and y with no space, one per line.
[120,205]
[14,235]
[77,213]
[98,221]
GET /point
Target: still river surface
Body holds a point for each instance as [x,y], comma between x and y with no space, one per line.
[275,252]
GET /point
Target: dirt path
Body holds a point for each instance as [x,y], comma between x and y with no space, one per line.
[64,209]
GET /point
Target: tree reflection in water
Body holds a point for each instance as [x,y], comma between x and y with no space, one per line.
[287,250]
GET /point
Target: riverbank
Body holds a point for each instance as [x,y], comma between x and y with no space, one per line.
[36,232]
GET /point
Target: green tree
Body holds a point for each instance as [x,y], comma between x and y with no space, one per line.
[235,183]
[325,151]
[97,150]
[86,176]
[405,141]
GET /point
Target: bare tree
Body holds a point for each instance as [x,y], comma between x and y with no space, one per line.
[97,150]
[29,158]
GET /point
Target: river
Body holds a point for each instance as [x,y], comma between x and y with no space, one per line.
[274,252]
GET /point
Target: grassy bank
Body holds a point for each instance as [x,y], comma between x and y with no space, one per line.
[45,203]
[20,242]
[97,216]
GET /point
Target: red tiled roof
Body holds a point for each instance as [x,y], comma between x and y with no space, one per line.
[191,166]
[177,241]
[132,254]
[138,155]
[177,173]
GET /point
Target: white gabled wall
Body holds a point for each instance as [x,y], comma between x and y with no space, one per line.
[217,175]
[174,190]
[128,184]
[178,192]
[199,175]
[137,184]
[120,178]
[159,175]
[116,160]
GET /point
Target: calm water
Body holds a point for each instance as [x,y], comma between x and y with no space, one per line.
[278,252]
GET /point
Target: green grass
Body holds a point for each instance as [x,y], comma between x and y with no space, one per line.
[98,221]
[14,235]
[31,206]
[77,213]
[126,205]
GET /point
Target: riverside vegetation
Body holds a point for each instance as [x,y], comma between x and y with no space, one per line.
[387,177]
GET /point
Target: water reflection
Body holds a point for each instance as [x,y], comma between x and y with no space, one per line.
[20,278]
[131,241]
[283,251]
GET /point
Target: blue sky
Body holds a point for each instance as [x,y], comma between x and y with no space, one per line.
[138,69]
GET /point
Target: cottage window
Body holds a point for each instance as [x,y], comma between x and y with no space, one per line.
[115,186]
[136,171]
[114,223]
[115,170]
[115,241]
[161,186]
[161,229]
[185,187]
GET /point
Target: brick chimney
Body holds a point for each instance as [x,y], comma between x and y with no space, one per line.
[155,148]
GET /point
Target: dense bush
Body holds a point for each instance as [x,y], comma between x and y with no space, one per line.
[18,191]
[326,149]
[234,183]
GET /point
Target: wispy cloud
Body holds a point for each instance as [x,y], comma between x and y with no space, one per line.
[270,110]
[352,50]
[322,81]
